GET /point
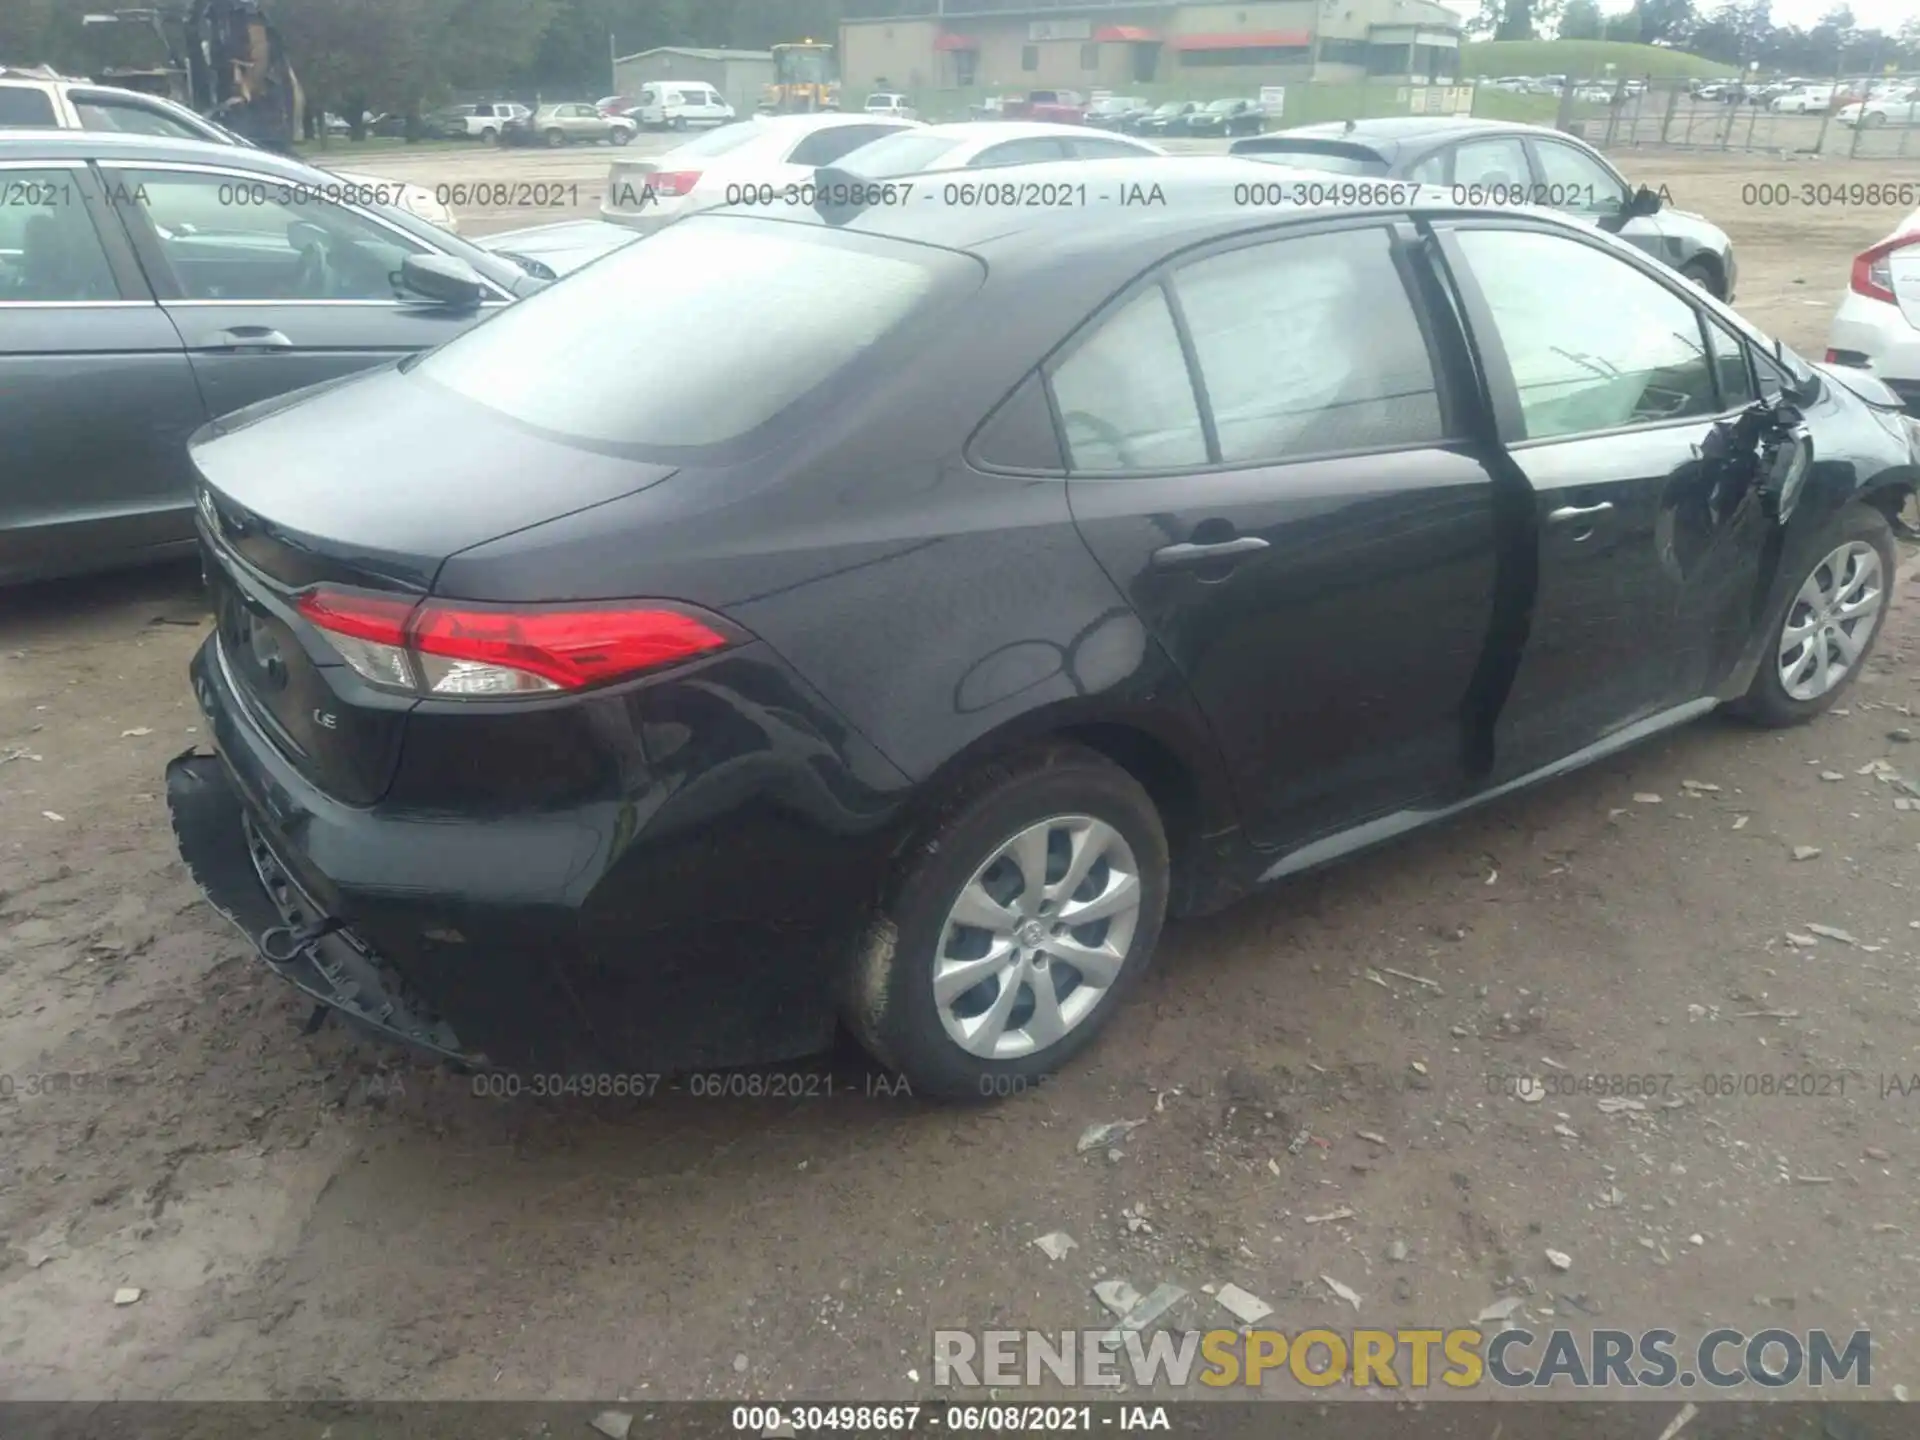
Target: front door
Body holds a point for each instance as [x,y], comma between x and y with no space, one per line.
[273,286]
[96,397]
[1620,402]
[1263,459]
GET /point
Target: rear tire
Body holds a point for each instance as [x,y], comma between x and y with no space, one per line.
[1855,558]
[489,137]
[1057,805]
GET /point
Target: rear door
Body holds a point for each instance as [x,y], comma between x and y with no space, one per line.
[1263,455]
[96,397]
[270,285]
[1618,404]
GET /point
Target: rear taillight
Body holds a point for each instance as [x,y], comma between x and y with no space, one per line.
[452,649]
[673,183]
[1873,269]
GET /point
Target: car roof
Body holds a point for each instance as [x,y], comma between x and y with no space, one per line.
[74,145]
[821,121]
[990,130]
[1400,129]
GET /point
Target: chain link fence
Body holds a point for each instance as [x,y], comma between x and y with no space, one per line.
[1880,125]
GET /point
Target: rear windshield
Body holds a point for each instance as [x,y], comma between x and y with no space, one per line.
[782,309]
[905,152]
[1308,157]
[714,142]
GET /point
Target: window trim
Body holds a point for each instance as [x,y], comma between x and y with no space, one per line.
[122,263]
[1709,324]
[1454,405]
[108,99]
[1484,334]
[146,243]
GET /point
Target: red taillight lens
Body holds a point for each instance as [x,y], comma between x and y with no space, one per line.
[1873,269]
[569,649]
[451,649]
[673,183]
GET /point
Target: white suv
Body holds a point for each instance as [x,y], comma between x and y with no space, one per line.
[37,101]
[1877,326]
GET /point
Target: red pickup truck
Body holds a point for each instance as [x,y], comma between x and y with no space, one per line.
[1062,107]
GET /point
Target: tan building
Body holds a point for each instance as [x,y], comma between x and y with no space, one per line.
[931,45]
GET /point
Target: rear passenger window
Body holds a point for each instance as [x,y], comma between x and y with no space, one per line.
[823,147]
[1500,161]
[50,254]
[24,105]
[1126,398]
[1308,347]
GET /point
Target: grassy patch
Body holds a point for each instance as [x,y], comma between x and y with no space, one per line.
[1586,58]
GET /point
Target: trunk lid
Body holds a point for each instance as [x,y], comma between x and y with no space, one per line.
[370,483]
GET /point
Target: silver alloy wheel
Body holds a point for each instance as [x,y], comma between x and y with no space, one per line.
[1037,937]
[1831,620]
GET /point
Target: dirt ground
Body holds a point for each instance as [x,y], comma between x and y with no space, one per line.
[317,1217]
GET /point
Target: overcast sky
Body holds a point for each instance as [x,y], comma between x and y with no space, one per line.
[1887,15]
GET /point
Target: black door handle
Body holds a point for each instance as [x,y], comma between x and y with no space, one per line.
[1186,557]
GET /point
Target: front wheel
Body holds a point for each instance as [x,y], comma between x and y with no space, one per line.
[1013,925]
[621,137]
[1822,639]
[1873,120]
[1705,275]
[555,139]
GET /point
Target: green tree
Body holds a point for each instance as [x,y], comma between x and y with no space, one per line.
[1580,20]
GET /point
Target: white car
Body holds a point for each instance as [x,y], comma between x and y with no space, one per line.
[979,144]
[485,122]
[752,162]
[889,103]
[1891,107]
[1877,327]
[1807,100]
[680,105]
[69,104]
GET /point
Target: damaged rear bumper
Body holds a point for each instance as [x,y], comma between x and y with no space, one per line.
[235,866]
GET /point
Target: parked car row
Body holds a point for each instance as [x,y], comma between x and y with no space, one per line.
[671,105]
[987,586]
[1131,115]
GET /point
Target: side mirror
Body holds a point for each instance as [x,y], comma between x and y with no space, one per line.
[442,280]
[1643,202]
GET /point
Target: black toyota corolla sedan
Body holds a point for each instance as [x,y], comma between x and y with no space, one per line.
[987,584]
